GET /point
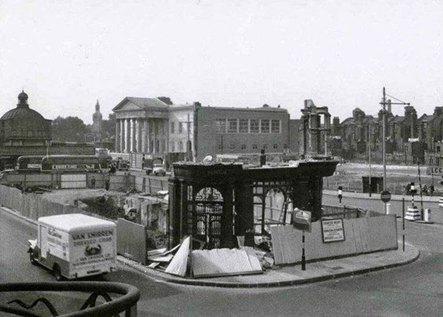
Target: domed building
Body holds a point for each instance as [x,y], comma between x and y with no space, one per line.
[24,131]
[23,126]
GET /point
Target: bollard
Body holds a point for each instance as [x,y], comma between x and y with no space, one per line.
[427,215]
[388,208]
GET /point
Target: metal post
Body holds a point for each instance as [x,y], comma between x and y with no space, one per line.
[181,208]
[384,140]
[340,194]
[403,212]
[303,258]
[369,159]
[421,191]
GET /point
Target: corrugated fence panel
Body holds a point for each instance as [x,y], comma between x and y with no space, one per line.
[131,241]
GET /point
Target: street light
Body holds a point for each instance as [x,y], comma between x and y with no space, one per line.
[385,102]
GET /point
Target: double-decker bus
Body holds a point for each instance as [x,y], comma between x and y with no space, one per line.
[70,163]
[29,163]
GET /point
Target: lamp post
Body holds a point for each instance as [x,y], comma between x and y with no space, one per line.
[385,102]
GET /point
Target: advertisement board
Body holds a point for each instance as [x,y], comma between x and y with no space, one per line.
[302,220]
[92,247]
[332,230]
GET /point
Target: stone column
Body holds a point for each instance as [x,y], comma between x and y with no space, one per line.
[117,135]
[128,136]
[131,135]
[154,136]
[123,135]
[143,136]
[137,135]
[148,135]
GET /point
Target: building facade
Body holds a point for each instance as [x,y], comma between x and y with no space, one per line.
[24,131]
[190,131]
[409,138]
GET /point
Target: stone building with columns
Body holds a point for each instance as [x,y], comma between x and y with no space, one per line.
[156,127]
[152,126]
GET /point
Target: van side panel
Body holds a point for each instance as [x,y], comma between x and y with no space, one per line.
[54,248]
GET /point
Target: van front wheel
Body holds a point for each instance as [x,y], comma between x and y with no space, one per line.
[31,258]
[57,272]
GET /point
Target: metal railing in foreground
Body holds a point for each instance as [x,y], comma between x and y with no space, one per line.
[126,301]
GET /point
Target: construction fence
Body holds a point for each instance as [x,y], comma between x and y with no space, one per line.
[33,206]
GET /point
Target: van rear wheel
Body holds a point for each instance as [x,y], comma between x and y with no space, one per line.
[57,272]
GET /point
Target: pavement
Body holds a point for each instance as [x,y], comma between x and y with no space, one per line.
[418,198]
[294,275]
[280,276]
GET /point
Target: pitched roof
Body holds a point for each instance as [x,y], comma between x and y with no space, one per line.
[143,103]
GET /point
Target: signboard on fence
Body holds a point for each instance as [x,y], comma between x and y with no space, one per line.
[332,230]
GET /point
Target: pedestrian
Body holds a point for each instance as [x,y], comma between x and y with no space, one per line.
[93,182]
[431,189]
[408,189]
[425,190]
[107,184]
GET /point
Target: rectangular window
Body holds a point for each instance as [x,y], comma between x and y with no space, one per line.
[265,126]
[220,125]
[180,145]
[232,125]
[172,146]
[244,126]
[275,146]
[265,146]
[243,146]
[180,127]
[172,127]
[254,146]
[255,126]
[232,146]
[275,126]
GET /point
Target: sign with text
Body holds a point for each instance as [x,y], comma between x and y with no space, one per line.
[302,220]
[436,170]
[332,230]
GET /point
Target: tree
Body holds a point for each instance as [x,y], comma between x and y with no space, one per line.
[70,129]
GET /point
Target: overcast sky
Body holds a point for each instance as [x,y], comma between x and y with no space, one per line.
[67,54]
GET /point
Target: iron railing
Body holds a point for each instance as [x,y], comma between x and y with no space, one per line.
[125,301]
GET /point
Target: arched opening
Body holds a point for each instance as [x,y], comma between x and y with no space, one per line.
[208,216]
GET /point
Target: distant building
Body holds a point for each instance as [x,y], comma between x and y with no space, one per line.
[97,120]
[315,129]
[157,127]
[24,131]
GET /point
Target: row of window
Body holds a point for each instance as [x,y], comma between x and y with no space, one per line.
[181,126]
[181,146]
[254,146]
[224,125]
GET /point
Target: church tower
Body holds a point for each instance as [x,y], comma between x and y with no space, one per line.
[97,119]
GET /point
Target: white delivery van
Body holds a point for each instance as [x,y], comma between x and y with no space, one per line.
[75,245]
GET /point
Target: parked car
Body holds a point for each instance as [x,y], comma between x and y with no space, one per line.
[159,170]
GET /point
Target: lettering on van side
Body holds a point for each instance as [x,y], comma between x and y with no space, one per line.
[89,235]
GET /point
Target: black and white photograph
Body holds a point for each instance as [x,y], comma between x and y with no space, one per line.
[221,158]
